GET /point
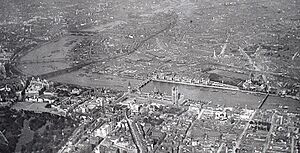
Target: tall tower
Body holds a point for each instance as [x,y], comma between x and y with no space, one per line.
[215,56]
[155,91]
[175,95]
[129,87]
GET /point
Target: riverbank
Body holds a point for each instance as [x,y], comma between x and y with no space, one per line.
[225,97]
[225,87]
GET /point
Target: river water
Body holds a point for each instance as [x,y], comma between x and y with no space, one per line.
[59,49]
[223,97]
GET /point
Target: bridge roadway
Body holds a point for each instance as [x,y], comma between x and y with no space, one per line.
[144,83]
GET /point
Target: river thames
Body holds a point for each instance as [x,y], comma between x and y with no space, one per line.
[224,97]
[58,48]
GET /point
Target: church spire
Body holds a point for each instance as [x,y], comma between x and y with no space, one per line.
[129,87]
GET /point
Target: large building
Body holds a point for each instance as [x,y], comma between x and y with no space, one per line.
[35,88]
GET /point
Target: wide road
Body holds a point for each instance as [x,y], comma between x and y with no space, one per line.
[266,146]
[134,135]
[238,143]
[188,131]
